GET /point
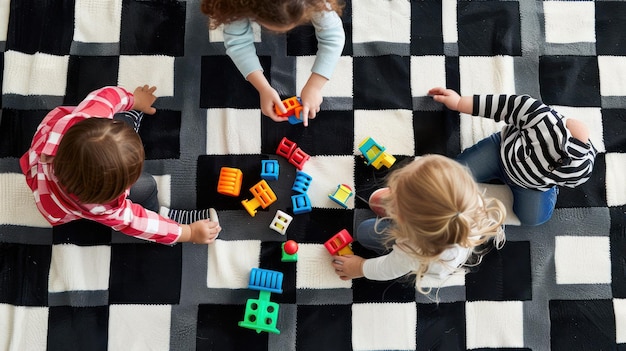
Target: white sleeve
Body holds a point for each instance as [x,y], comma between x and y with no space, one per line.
[398,263]
[239,43]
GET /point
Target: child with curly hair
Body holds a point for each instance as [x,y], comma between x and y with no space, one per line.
[86,162]
[280,16]
[432,219]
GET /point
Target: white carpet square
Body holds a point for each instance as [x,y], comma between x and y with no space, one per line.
[156,71]
[496,324]
[233,131]
[75,267]
[569,21]
[38,74]
[314,269]
[384,326]
[230,262]
[582,260]
[139,327]
[392,129]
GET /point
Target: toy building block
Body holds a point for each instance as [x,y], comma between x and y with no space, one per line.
[285,148]
[229,182]
[289,251]
[263,197]
[301,203]
[302,182]
[339,244]
[293,105]
[262,314]
[269,169]
[289,150]
[298,158]
[341,195]
[375,154]
[281,222]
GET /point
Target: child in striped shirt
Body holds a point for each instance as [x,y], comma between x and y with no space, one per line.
[537,150]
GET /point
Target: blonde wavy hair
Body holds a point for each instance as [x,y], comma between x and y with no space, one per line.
[434,203]
[276,12]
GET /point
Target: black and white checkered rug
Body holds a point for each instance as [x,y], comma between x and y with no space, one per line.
[80,286]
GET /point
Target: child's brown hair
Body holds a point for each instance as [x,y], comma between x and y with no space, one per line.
[98,159]
[276,12]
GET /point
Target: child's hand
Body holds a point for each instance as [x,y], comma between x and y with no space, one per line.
[448,97]
[270,98]
[204,231]
[348,267]
[311,96]
[144,98]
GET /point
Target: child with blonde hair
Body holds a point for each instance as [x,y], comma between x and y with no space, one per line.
[432,219]
[280,16]
[86,162]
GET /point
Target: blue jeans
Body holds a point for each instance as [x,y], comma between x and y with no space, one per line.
[532,207]
[370,236]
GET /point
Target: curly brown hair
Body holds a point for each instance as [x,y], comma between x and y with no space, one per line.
[276,12]
[98,159]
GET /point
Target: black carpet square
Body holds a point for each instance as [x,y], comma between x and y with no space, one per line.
[488,28]
[582,325]
[503,275]
[208,173]
[17,128]
[334,322]
[301,41]
[591,193]
[81,232]
[24,274]
[382,82]
[88,73]
[569,80]
[145,273]
[223,86]
[36,26]
[426,28]
[153,28]
[432,132]
[610,18]
[618,251]
[441,326]
[78,328]
[218,329]
[398,290]
[320,225]
[613,126]
[160,134]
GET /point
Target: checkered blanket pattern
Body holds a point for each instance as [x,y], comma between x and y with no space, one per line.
[81,286]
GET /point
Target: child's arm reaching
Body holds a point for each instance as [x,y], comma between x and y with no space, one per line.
[452,99]
[144,98]
[200,232]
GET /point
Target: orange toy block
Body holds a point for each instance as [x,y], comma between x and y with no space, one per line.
[263,197]
[229,182]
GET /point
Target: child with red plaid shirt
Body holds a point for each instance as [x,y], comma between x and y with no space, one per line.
[84,163]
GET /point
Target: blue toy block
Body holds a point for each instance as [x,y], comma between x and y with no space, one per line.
[302,182]
[301,203]
[266,280]
[269,169]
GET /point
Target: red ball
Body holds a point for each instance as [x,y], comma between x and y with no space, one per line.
[291,247]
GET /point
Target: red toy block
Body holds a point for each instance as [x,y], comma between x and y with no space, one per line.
[298,158]
[285,148]
[339,244]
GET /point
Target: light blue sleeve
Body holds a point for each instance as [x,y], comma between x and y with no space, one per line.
[239,43]
[330,41]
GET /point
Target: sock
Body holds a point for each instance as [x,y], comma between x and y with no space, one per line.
[187,216]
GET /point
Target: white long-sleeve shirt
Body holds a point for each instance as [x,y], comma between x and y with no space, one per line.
[398,263]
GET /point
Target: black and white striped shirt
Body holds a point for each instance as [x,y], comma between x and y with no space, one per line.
[537,150]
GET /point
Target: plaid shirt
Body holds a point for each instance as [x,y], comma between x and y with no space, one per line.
[59,207]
